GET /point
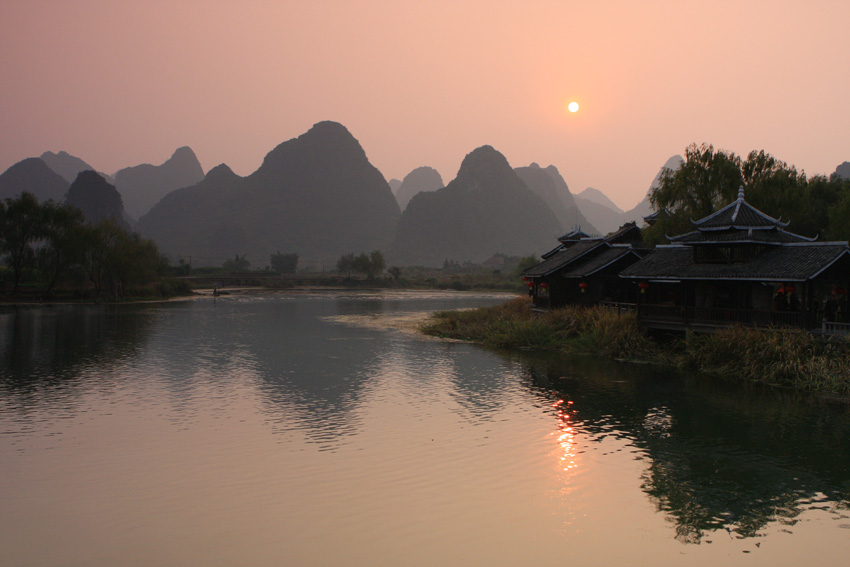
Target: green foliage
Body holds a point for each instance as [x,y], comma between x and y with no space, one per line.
[710,179]
[51,244]
[371,265]
[284,263]
[237,264]
[21,227]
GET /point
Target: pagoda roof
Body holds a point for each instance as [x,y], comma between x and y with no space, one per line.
[799,261]
[739,222]
[740,215]
[740,236]
[575,234]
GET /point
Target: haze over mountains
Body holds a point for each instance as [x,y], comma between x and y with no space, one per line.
[419,180]
[319,196]
[487,208]
[34,176]
[316,195]
[142,186]
[550,186]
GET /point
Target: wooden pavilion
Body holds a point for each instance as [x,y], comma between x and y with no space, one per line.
[740,266]
[585,270]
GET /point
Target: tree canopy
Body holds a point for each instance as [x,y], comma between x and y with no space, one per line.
[48,244]
[709,179]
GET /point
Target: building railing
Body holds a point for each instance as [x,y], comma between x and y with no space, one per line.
[619,307]
[835,328]
[718,316]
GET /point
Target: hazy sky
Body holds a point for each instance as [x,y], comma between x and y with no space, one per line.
[119,83]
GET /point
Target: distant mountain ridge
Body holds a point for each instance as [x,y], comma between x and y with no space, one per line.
[608,219]
[486,209]
[142,186]
[33,176]
[316,195]
[597,196]
[842,171]
[550,186]
[420,179]
[65,164]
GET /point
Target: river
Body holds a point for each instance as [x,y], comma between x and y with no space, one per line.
[318,428]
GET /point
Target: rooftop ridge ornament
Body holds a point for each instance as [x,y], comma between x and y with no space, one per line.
[741,193]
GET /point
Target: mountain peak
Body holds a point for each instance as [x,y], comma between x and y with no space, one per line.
[325,143]
[600,198]
[34,176]
[96,197]
[421,179]
[65,164]
[484,167]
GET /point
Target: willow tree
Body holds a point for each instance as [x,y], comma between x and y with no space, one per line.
[21,228]
[709,179]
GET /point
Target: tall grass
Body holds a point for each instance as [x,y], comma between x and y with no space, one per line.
[786,357]
[781,356]
[573,329]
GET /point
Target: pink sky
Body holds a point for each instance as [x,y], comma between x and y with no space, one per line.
[119,83]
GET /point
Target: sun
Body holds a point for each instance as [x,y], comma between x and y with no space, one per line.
[573,106]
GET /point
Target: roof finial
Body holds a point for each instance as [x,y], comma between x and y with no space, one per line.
[741,193]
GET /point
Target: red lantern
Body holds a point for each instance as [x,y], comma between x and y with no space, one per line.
[643,286]
[582,286]
[790,289]
[544,285]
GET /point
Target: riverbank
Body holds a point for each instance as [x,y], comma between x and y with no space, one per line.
[783,357]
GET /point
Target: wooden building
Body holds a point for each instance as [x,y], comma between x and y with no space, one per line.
[740,266]
[585,270]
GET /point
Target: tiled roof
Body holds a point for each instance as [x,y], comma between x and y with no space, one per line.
[789,262]
[589,265]
[629,232]
[773,235]
[738,214]
[563,257]
[576,234]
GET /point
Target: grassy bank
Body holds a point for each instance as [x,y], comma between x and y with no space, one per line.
[785,357]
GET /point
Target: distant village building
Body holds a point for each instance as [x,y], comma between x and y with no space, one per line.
[740,266]
[494,263]
[585,270]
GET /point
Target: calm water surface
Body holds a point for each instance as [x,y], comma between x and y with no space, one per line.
[317,429]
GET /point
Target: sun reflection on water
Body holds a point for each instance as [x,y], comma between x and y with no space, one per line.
[566,436]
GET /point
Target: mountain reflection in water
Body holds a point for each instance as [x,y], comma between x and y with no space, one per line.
[313,428]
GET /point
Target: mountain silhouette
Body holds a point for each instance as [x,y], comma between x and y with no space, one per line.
[419,180]
[33,176]
[316,195]
[97,198]
[486,209]
[597,196]
[842,171]
[141,186]
[608,218]
[65,164]
[550,186]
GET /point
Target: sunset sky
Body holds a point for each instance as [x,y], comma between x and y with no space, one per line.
[118,83]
